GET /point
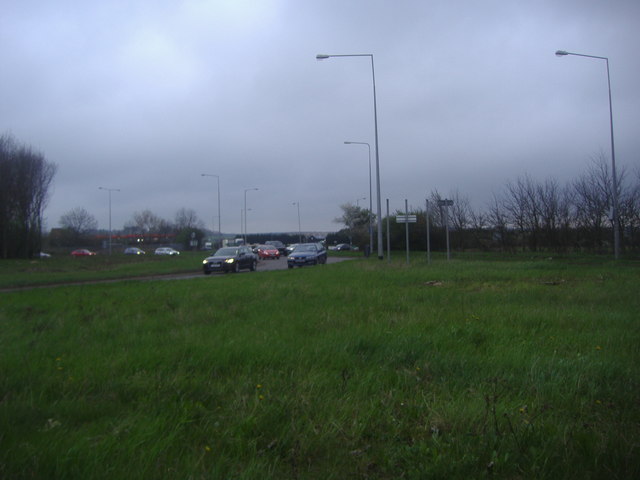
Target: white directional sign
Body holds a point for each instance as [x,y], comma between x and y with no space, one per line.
[406,219]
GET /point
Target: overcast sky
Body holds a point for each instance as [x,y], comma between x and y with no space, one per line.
[145,96]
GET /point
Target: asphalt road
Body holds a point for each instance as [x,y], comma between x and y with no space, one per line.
[263,266]
[281,264]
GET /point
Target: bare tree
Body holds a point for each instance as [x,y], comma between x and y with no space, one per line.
[634,210]
[498,219]
[479,223]
[79,221]
[436,214]
[459,215]
[554,205]
[515,205]
[186,218]
[148,222]
[593,200]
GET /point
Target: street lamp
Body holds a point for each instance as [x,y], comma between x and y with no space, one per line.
[219,217]
[375,122]
[245,212]
[299,229]
[358,199]
[614,209]
[370,194]
[109,190]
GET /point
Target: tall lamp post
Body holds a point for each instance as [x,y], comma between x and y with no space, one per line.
[245,212]
[219,217]
[375,122]
[370,194]
[614,209]
[109,190]
[299,228]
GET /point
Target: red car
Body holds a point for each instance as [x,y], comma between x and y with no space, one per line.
[268,251]
[82,252]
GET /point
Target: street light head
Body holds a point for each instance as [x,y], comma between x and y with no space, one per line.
[347,143]
[320,56]
[561,53]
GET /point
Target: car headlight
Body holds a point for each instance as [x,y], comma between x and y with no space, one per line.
[230,260]
[204,262]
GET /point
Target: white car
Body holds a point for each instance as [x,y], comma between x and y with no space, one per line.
[166,251]
[291,247]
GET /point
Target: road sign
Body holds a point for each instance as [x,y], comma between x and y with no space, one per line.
[445,203]
[406,219]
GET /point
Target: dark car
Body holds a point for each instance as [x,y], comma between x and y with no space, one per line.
[134,251]
[307,254]
[341,247]
[282,248]
[230,259]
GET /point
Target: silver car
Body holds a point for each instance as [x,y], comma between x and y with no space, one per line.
[166,251]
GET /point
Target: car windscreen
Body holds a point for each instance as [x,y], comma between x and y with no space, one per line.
[305,248]
[227,252]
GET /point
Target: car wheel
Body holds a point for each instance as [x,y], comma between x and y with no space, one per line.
[290,266]
[254,265]
[236,267]
[207,272]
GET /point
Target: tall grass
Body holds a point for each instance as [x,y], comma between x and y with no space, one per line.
[462,369]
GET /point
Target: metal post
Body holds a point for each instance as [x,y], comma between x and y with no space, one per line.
[245,212]
[446,216]
[614,208]
[375,122]
[428,234]
[299,229]
[219,215]
[406,227]
[110,231]
[388,235]
[370,194]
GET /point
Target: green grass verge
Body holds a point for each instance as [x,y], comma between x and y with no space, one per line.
[461,369]
[63,269]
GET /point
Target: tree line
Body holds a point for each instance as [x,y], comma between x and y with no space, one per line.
[79,227]
[526,215]
[25,179]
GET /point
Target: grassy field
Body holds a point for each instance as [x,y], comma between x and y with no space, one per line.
[508,368]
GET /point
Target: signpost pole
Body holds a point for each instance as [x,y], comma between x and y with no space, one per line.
[446,216]
[446,204]
[406,227]
[428,236]
[388,235]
